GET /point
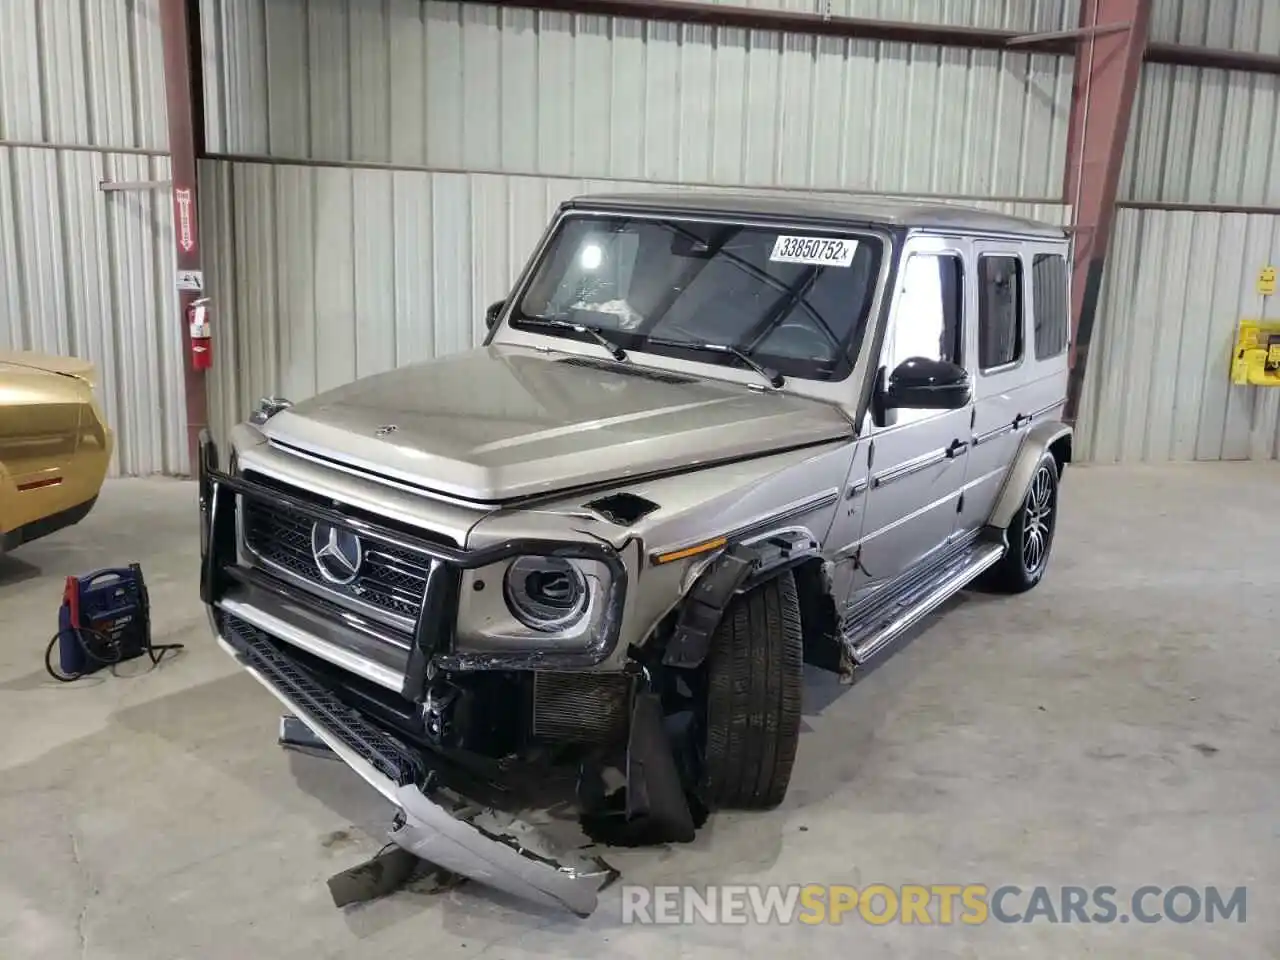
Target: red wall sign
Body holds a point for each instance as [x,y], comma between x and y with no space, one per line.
[185,210]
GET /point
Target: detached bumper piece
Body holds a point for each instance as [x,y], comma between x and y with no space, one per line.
[481,843]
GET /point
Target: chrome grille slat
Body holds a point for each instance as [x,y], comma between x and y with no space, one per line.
[398,564]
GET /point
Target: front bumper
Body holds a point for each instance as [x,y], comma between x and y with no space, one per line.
[438,823]
[32,513]
[12,539]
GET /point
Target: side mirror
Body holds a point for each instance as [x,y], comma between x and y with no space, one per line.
[491,315]
[923,384]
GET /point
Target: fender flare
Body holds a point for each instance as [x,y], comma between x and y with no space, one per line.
[739,568]
[1035,444]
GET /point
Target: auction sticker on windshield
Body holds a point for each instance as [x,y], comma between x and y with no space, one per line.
[818,251]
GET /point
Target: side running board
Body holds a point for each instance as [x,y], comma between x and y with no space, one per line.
[872,626]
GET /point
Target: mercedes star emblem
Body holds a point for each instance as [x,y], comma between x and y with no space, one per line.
[337,552]
[385,430]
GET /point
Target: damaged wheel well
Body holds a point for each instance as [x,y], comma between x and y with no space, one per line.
[740,569]
[819,622]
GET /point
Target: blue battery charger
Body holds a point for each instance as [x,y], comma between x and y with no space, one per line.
[104,620]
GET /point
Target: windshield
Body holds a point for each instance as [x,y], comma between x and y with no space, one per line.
[793,299]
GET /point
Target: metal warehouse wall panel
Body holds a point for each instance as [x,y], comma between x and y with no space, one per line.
[89,273]
[1028,15]
[1252,25]
[1158,389]
[324,274]
[1205,136]
[82,72]
[83,271]
[450,86]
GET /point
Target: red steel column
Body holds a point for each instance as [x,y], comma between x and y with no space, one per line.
[179,31]
[1107,70]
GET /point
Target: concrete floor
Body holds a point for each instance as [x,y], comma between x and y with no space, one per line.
[1119,725]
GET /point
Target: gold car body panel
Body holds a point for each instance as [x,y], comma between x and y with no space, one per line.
[54,445]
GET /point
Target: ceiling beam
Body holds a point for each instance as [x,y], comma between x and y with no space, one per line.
[1178,55]
[793,21]
[890,31]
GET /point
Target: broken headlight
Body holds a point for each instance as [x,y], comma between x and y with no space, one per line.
[536,604]
[546,593]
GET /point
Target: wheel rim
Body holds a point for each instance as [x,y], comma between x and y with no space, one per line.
[1037,521]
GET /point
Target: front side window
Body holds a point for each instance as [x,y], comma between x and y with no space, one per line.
[1000,319]
[793,299]
[928,318]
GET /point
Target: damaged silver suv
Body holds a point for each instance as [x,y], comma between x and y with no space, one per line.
[709,438]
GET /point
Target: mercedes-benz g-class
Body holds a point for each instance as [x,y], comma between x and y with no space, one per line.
[708,438]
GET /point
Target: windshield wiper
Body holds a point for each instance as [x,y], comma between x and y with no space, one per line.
[775,379]
[596,333]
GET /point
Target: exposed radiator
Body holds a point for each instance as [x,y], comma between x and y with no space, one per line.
[580,707]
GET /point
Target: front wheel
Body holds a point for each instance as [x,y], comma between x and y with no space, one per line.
[755,674]
[1030,533]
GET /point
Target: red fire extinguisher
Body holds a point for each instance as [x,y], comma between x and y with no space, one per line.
[198,322]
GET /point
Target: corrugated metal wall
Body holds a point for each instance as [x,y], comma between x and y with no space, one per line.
[89,274]
[325,274]
[1225,24]
[82,271]
[1204,136]
[82,73]
[508,90]
[1158,389]
[1178,283]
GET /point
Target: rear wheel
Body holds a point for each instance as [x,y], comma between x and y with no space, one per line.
[1030,533]
[755,674]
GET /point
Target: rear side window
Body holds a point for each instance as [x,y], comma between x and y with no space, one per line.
[1049,297]
[1000,320]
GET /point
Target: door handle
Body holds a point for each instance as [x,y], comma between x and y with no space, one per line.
[1021,420]
[957,447]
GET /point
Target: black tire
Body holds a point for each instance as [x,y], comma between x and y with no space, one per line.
[1030,534]
[755,675]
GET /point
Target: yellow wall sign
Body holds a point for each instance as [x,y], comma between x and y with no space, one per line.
[1256,358]
[1267,281]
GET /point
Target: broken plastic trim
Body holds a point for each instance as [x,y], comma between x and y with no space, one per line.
[737,570]
[622,508]
[481,843]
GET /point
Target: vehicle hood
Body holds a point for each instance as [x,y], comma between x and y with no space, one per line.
[46,363]
[502,422]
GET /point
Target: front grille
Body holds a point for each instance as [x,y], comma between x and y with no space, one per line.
[389,579]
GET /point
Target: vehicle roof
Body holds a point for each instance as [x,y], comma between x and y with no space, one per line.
[851,208]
